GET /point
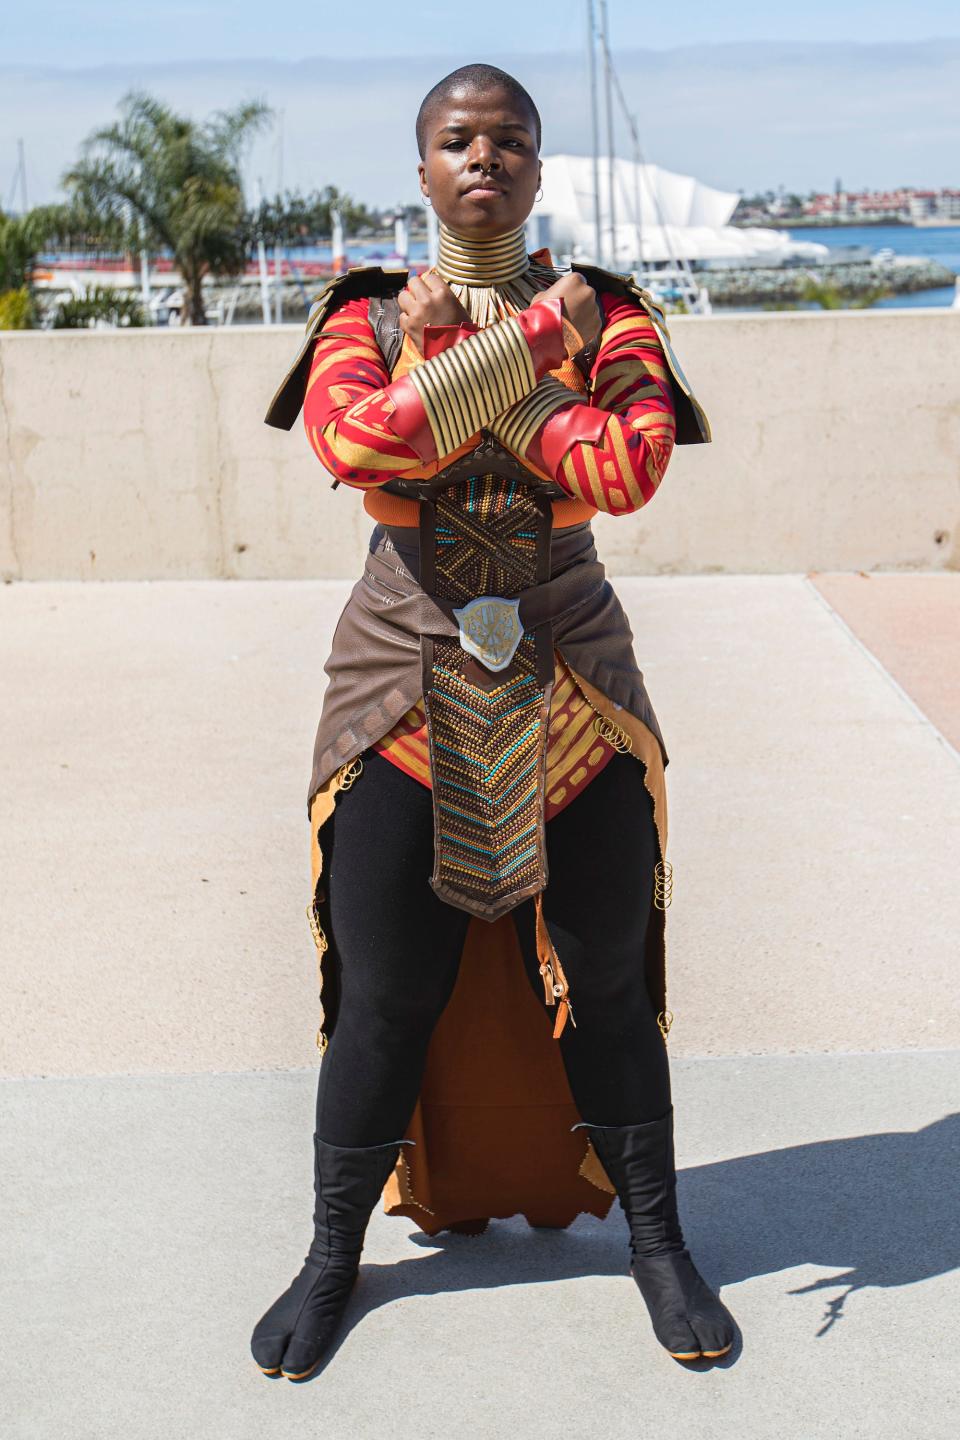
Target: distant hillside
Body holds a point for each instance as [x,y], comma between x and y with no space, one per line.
[738,116]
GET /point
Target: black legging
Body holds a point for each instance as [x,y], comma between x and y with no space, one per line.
[396,948]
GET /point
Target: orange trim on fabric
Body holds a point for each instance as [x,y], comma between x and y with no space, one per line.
[389,509]
[555,984]
[643,744]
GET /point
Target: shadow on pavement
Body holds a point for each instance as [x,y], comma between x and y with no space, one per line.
[882,1209]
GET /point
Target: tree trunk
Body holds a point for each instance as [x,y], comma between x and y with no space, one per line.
[194,312]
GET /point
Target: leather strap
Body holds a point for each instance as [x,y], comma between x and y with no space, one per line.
[484,546]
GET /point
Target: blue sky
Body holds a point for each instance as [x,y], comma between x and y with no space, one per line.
[96,32]
[741,95]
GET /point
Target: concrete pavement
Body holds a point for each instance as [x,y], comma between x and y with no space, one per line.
[155,1218]
[158,1014]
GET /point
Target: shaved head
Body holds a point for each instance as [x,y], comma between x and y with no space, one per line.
[474,79]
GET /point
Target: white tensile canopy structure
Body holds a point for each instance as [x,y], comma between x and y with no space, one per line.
[680,217]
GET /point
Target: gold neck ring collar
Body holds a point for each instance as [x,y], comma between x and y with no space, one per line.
[482,262]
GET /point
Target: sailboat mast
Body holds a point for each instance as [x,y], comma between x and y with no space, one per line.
[22,166]
[594,130]
[278,247]
[608,87]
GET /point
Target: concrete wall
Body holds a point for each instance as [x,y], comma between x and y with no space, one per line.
[143,455]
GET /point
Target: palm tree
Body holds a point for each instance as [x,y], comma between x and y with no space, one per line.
[168,182]
[22,237]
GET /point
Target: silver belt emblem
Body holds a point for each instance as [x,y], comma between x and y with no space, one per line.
[490,630]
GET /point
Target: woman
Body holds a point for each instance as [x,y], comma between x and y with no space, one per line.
[486,721]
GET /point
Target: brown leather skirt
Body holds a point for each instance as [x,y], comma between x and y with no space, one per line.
[493,1122]
[374,665]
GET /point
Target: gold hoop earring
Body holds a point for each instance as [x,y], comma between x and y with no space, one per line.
[425,200]
[539,196]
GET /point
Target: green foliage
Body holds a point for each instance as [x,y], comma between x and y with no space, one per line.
[295,219]
[823,293]
[16,309]
[163,181]
[17,252]
[869,297]
[829,296]
[22,237]
[114,307]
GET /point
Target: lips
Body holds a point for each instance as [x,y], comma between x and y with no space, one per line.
[485,187]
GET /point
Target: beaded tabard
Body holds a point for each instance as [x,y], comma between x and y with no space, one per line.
[487,694]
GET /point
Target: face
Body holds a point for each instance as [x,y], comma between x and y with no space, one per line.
[481,170]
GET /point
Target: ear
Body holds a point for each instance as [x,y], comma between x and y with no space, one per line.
[422,172]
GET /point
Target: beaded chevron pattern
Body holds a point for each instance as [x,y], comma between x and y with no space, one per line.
[487,738]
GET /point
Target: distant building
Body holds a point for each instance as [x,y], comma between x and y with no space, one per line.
[908,205]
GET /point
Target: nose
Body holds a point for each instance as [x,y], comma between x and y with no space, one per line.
[483,155]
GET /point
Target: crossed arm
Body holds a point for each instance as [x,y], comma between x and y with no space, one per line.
[609,448]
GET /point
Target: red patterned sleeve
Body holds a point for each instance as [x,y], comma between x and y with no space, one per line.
[348,407]
[366,428]
[613,452]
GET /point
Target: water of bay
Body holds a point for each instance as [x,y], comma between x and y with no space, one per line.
[936,242]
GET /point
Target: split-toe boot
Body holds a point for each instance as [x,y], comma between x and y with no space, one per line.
[688,1319]
[298,1329]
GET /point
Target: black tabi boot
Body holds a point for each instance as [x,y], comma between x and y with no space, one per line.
[688,1318]
[297,1330]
